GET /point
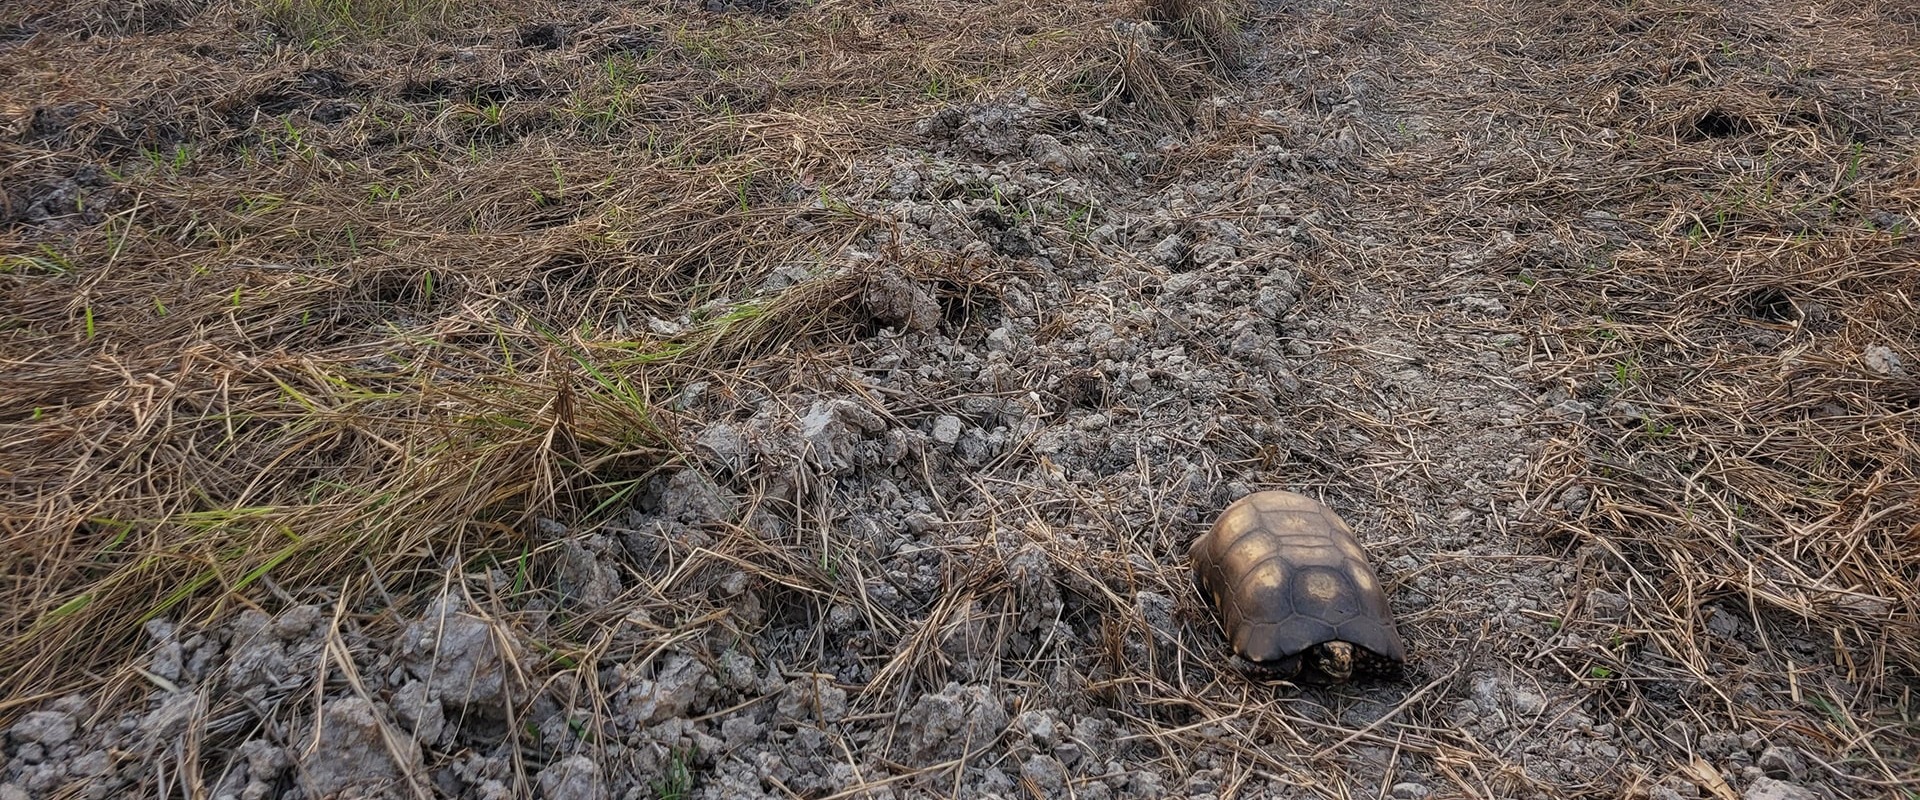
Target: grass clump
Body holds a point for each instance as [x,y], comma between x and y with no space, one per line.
[309,322]
[1211,27]
[320,23]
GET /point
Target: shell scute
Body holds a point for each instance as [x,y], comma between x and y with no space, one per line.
[1286,574]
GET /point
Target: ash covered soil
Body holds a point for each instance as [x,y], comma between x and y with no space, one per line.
[944,555]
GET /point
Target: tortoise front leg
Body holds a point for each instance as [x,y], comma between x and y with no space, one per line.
[1285,669]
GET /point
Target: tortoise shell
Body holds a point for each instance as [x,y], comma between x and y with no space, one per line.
[1290,583]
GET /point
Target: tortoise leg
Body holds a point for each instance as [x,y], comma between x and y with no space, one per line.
[1263,671]
[1374,665]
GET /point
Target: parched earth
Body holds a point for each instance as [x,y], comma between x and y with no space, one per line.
[946,558]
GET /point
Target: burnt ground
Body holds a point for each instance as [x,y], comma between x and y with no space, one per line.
[788,400]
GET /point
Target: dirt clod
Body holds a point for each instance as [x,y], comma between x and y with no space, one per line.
[461,655]
[571,777]
[1770,789]
[957,719]
[355,749]
[45,728]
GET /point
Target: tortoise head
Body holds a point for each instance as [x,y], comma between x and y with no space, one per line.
[1334,660]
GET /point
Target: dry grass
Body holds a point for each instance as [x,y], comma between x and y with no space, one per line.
[1212,27]
[1753,456]
[1706,217]
[297,310]
[323,23]
[323,323]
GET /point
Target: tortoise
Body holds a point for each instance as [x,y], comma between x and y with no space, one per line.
[1294,592]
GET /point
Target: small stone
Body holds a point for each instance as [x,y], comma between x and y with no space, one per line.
[900,302]
[680,684]
[1781,762]
[1883,361]
[941,725]
[1527,701]
[1607,606]
[1146,784]
[1039,726]
[1674,787]
[1718,744]
[946,429]
[571,777]
[460,655]
[1410,791]
[352,753]
[1572,409]
[265,762]
[169,658]
[90,765]
[1273,302]
[171,718]
[807,697]
[692,497]
[740,731]
[1770,789]
[1170,251]
[1046,774]
[726,445]
[583,579]
[419,710]
[831,433]
[1247,344]
[49,728]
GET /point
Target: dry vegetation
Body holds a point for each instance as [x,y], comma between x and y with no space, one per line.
[1707,217]
[322,307]
[1748,186]
[296,306]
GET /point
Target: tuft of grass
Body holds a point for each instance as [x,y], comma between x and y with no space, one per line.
[1211,27]
[323,23]
[676,780]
